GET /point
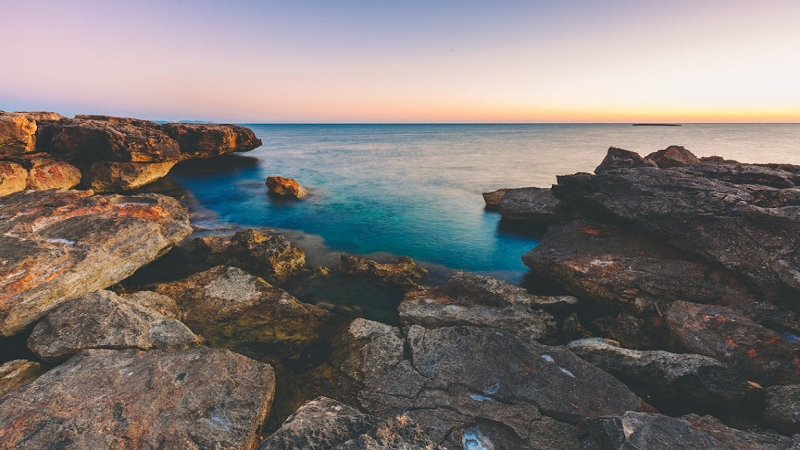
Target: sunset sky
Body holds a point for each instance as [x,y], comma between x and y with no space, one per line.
[405,61]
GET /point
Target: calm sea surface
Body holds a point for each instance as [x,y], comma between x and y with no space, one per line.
[416,189]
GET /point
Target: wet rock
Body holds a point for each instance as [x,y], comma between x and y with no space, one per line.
[13,178]
[684,379]
[637,430]
[470,384]
[110,176]
[617,158]
[614,266]
[325,424]
[782,408]
[19,372]
[46,173]
[493,199]
[405,272]
[285,187]
[103,319]
[59,245]
[230,307]
[672,156]
[199,140]
[755,351]
[533,205]
[17,134]
[193,399]
[273,258]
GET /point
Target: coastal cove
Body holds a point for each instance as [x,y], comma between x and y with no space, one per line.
[383,190]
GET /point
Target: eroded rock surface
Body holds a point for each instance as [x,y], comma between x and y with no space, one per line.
[285,187]
[16,373]
[103,319]
[49,174]
[617,158]
[58,245]
[198,140]
[17,134]
[13,178]
[492,199]
[405,272]
[114,176]
[533,205]
[128,399]
[672,156]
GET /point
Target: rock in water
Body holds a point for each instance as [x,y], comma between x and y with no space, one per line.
[200,140]
[17,134]
[228,306]
[493,198]
[325,424]
[404,273]
[103,319]
[273,258]
[110,176]
[536,206]
[636,430]
[669,377]
[617,158]
[672,156]
[285,187]
[19,372]
[59,245]
[755,351]
[782,408]
[191,399]
[13,178]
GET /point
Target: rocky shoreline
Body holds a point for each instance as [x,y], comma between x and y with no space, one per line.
[676,326]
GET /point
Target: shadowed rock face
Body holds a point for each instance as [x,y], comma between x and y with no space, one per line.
[782,408]
[636,430]
[467,383]
[111,176]
[326,424]
[17,134]
[757,352]
[404,273]
[536,206]
[59,245]
[671,377]
[19,372]
[103,319]
[191,399]
[207,140]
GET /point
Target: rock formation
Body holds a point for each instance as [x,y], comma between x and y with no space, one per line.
[404,273]
[285,187]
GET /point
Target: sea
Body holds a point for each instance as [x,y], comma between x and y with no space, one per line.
[387,190]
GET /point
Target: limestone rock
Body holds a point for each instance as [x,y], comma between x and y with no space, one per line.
[50,174]
[493,198]
[111,176]
[16,373]
[17,134]
[617,158]
[198,140]
[103,319]
[154,301]
[13,178]
[672,156]
[405,272]
[58,245]
[532,205]
[285,187]
[782,408]
[191,399]
[41,116]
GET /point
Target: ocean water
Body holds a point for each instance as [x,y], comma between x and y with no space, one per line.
[416,189]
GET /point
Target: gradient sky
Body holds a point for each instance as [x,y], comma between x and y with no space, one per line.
[405,61]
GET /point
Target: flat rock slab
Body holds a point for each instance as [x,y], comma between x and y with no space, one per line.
[325,424]
[404,273]
[58,245]
[192,399]
[103,319]
[537,206]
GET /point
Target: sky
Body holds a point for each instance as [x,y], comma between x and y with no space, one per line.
[348,61]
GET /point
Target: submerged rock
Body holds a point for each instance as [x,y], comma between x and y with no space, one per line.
[190,399]
[285,187]
[273,258]
[114,176]
[17,134]
[672,156]
[469,384]
[103,319]
[636,430]
[200,140]
[13,178]
[493,199]
[617,158]
[405,272]
[325,424]
[757,352]
[59,245]
[669,377]
[230,307]
[19,372]
[536,206]
[782,408]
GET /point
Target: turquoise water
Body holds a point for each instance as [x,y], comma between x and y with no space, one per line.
[416,189]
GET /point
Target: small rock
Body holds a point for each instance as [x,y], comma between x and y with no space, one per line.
[103,319]
[130,399]
[405,272]
[617,158]
[536,206]
[112,176]
[285,187]
[19,372]
[493,199]
[672,156]
[13,178]
[782,408]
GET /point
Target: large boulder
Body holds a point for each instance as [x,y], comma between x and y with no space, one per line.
[404,273]
[325,424]
[17,134]
[672,156]
[230,307]
[759,353]
[271,257]
[16,373]
[59,245]
[478,385]
[113,176]
[46,173]
[103,319]
[636,430]
[13,178]
[617,158]
[536,206]
[198,140]
[191,399]
[683,379]
[782,408]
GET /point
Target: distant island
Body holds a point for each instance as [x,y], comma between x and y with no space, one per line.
[656,124]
